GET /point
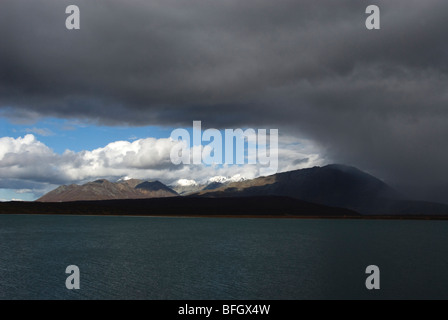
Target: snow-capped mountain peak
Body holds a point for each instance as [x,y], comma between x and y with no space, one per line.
[126,178]
[186,183]
[219,179]
[222,179]
[237,178]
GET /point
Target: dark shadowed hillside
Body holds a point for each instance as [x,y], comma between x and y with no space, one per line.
[332,185]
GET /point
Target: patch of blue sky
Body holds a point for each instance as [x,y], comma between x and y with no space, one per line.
[9,194]
[61,135]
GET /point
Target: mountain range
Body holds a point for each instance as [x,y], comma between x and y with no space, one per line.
[133,189]
[106,190]
[331,186]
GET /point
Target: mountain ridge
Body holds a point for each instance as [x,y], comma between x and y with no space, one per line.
[103,189]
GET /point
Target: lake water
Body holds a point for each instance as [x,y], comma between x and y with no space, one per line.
[212,258]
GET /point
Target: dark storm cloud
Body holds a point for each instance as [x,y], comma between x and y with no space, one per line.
[375,99]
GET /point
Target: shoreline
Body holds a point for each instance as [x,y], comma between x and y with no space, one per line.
[243,216]
[270,207]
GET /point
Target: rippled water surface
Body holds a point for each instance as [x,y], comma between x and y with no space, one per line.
[210,258]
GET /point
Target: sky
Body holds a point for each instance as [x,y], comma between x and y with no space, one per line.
[101,101]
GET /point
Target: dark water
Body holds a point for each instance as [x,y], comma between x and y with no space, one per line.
[201,258]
